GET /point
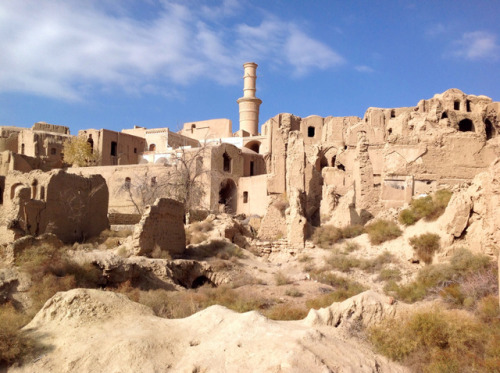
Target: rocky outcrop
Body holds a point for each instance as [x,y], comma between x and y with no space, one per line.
[94,331]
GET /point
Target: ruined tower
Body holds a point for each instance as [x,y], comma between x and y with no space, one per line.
[249,104]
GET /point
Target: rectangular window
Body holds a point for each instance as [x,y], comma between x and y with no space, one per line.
[456,105]
[252,168]
[114,148]
[53,151]
[311,131]
[245,197]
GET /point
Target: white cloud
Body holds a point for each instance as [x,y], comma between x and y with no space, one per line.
[55,48]
[363,69]
[476,45]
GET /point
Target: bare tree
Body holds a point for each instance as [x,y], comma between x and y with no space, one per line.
[181,178]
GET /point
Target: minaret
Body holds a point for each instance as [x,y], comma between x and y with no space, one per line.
[249,104]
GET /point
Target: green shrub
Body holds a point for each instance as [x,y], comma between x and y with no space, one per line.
[382,230]
[425,246]
[407,217]
[326,236]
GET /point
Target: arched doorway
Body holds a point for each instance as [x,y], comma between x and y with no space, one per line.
[466,125]
[253,145]
[488,127]
[227,196]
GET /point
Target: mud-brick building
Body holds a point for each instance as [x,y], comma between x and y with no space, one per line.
[72,207]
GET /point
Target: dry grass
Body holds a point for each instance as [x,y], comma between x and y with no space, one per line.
[285,311]
[390,274]
[425,245]
[197,232]
[14,344]
[344,288]
[382,230]
[293,293]
[345,263]
[435,340]
[467,276]
[281,279]
[215,248]
[328,235]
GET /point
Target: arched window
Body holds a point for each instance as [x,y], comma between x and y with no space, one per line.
[34,185]
[152,147]
[444,115]
[393,113]
[127,183]
[42,193]
[311,131]
[456,105]
[490,131]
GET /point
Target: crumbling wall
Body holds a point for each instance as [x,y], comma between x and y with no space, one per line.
[70,206]
[161,228]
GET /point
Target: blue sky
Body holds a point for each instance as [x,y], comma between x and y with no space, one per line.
[155,63]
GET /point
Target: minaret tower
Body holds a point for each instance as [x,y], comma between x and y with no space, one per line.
[249,104]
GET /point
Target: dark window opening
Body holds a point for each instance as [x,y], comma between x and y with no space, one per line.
[245,197]
[128,181]
[252,168]
[152,147]
[201,281]
[22,148]
[91,143]
[227,162]
[193,127]
[53,151]
[444,115]
[468,106]
[153,181]
[465,125]
[34,185]
[340,166]
[311,131]
[135,150]
[393,113]
[114,148]
[488,127]
[323,162]
[42,193]
[389,131]
[456,105]
[345,147]
[333,160]
[1,196]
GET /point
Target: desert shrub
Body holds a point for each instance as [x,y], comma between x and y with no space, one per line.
[285,311]
[407,217]
[488,309]
[281,279]
[326,236]
[351,246]
[343,263]
[382,230]
[390,274]
[377,263]
[429,207]
[219,248]
[281,203]
[466,277]
[14,344]
[351,231]
[439,341]
[344,288]
[425,245]
[293,293]
[197,232]
[304,258]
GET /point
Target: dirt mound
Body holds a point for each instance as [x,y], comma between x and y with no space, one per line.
[98,331]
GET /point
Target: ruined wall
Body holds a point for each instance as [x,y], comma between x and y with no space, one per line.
[70,206]
[160,140]
[252,195]
[161,229]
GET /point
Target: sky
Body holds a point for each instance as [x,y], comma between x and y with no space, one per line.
[160,63]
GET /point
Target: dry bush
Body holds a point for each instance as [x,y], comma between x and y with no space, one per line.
[281,279]
[285,311]
[326,236]
[14,343]
[304,258]
[437,277]
[344,288]
[351,231]
[343,263]
[281,203]
[197,232]
[429,207]
[376,264]
[389,274]
[382,230]
[350,247]
[293,293]
[425,245]
[439,341]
